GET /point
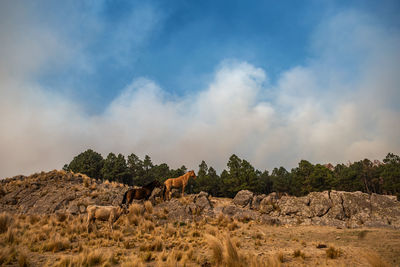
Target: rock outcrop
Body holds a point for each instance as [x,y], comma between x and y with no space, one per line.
[334,208]
[64,192]
[46,193]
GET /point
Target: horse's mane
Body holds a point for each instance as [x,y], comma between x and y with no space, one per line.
[152,184]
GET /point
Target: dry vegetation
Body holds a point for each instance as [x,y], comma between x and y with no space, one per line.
[146,237]
[139,239]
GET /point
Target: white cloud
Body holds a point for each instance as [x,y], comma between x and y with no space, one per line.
[324,111]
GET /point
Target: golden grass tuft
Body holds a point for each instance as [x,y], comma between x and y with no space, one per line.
[11,236]
[5,222]
[56,243]
[91,258]
[147,256]
[375,261]
[333,252]
[216,248]
[33,219]
[232,256]
[299,253]
[23,260]
[149,207]
[61,216]
[7,255]
[136,209]
[233,226]
[148,226]
[132,262]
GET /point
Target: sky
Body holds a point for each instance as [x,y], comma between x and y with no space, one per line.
[273,82]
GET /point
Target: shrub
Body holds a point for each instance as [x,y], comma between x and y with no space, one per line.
[333,253]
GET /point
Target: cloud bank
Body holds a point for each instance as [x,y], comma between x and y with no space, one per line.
[341,105]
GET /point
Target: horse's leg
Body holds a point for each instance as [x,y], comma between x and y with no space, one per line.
[166,192]
[183,189]
[111,221]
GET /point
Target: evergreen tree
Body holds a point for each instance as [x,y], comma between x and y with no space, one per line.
[136,170]
[88,162]
[281,180]
[116,169]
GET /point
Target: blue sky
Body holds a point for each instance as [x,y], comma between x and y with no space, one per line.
[179,44]
[272,81]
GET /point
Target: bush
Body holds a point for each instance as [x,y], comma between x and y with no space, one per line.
[333,253]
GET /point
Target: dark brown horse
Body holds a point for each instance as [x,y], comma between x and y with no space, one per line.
[143,192]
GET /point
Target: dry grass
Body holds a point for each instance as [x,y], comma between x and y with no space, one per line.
[56,243]
[375,261]
[87,258]
[299,253]
[362,234]
[149,207]
[23,260]
[5,222]
[136,209]
[142,239]
[333,253]
[7,255]
[216,248]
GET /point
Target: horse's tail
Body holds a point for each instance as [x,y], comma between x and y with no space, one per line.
[164,189]
[124,198]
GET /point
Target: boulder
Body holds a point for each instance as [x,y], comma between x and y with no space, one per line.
[202,201]
[256,201]
[245,215]
[384,209]
[319,203]
[243,198]
[230,210]
[156,196]
[73,209]
[289,205]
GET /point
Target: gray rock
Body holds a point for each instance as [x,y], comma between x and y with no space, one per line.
[73,209]
[202,201]
[320,203]
[289,205]
[256,201]
[156,196]
[243,198]
[230,210]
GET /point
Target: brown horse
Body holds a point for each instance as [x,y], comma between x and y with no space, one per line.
[180,181]
[143,192]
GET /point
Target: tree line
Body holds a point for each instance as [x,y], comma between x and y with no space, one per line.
[364,175]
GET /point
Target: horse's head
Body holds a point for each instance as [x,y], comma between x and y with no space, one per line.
[152,185]
[191,173]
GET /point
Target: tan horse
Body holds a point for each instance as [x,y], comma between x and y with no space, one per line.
[103,213]
[180,181]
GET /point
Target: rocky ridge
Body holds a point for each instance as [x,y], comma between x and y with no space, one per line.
[59,191]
